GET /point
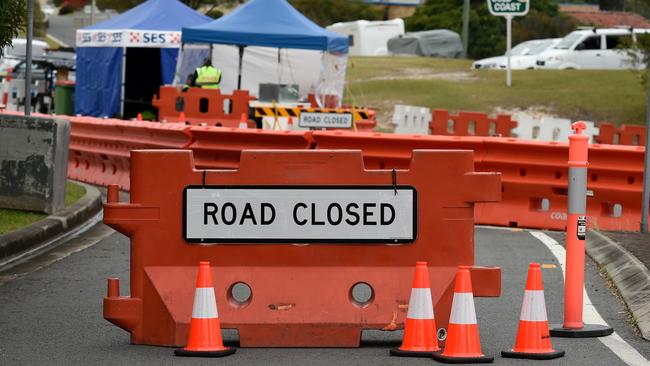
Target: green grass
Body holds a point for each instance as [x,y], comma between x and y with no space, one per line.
[11,220]
[595,95]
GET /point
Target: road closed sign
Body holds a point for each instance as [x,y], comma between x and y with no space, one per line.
[508,7]
[325,120]
[299,214]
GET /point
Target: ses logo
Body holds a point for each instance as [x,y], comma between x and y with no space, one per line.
[153,38]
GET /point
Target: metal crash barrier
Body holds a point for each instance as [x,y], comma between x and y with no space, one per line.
[273,226]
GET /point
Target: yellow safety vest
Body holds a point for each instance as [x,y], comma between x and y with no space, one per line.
[208,77]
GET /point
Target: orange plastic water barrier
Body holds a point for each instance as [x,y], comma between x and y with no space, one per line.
[625,135]
[290,303]
[470,124]
[534,175]
[202,106]
[221,147]
[100,148]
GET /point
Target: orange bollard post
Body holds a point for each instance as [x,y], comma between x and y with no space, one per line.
[463,340]
[533,339]
[205,330]
[576,233]
[420,332]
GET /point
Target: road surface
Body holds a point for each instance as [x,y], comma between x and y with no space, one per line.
[53,315]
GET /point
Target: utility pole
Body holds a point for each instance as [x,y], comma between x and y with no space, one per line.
[28,58]
[465,27]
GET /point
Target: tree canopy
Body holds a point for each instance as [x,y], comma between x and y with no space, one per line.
[12,21]
[326,12]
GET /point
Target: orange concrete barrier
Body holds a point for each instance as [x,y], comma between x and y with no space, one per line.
[289,304]
[534,175]
[202,106]
[220,147]
[100,148]
[470,124]
[625,135]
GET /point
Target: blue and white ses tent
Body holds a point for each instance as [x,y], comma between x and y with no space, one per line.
[122,62]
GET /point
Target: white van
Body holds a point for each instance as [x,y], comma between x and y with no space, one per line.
[592,48]
[369,38]
[523,56]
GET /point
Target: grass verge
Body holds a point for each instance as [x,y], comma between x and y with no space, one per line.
[11,220]
[594,95]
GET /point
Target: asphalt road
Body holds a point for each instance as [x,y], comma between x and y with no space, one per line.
[53,316]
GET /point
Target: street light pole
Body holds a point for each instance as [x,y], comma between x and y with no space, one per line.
[28,58]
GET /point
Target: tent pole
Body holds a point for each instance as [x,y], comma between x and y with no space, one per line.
[123,82]
[241,58]
[179,59]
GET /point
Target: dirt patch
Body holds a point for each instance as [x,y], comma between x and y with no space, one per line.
[536,111]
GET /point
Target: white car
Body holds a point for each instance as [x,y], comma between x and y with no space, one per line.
[591,48]
[523,56]
[12,55]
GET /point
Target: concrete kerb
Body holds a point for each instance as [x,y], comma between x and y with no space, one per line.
[19,241]
[629,274]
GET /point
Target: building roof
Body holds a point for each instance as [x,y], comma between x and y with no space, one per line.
[609,19]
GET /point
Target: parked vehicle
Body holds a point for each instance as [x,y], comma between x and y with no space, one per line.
[12,55]
[369,38]
[523,56]
[591,48]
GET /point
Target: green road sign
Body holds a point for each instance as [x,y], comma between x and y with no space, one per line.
[509,7]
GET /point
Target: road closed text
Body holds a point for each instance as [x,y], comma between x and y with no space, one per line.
[300,214]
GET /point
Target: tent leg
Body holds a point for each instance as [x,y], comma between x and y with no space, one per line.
[241,58]
[123,82]
[177,73]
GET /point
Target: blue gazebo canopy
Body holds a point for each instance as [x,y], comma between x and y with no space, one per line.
[266,23]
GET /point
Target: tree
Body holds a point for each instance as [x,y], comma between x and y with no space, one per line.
[326,12]
[209,6]
[12,21]
[487,32]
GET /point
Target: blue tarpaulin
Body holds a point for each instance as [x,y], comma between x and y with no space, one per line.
[152,24]
[266,23]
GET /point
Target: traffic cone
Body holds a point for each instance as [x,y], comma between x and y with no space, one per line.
[243,121]
[205,331]
[420,339]
[533,337]
[181,117]
[139,117]
[463,341]
[290,124]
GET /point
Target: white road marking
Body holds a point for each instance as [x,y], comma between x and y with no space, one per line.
[614,342]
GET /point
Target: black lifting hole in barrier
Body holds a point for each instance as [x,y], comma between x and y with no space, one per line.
[361,294]
[239,294]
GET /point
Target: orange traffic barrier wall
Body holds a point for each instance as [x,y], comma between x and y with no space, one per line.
[100,148]
[634,135]
[221,147]
[534,175]
[202,106]
[470,124]
[290,304]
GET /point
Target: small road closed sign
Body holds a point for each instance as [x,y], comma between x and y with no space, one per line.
[325,120]
[508,7]
[299,214]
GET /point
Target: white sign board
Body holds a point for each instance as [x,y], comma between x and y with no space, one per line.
[325,120]
[509,7]
[299,214]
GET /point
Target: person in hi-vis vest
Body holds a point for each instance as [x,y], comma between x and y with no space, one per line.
[207,76]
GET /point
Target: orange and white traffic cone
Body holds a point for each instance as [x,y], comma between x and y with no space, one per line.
[243,121]
[420,339]
[463,341]
[290,123]
[533,337]
[181,117]
[205,330]
[139,117]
